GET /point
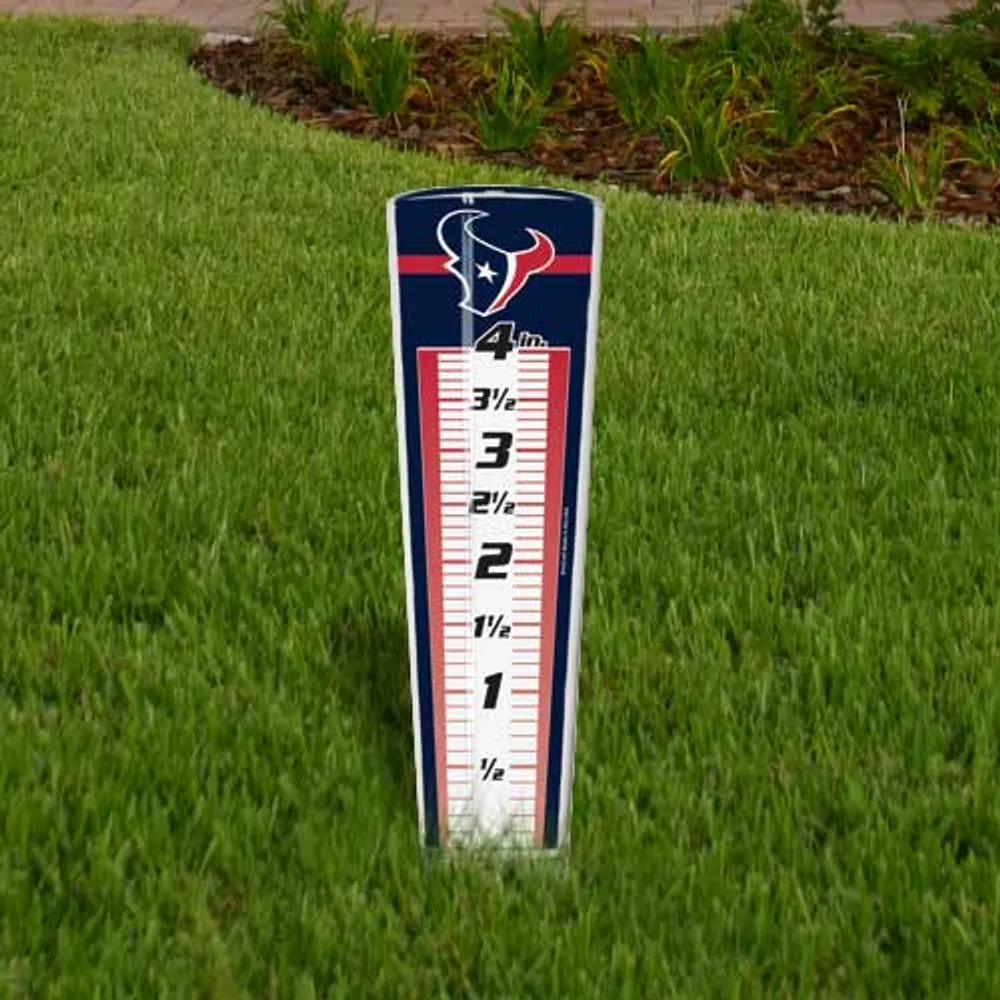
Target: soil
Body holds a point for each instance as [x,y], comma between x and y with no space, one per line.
[590,142]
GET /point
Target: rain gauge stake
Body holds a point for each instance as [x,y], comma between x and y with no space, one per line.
[494,307]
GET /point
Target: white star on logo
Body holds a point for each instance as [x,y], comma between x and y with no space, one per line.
[485,271]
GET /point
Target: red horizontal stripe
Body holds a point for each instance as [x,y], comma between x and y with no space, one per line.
[570,263]
[415,263]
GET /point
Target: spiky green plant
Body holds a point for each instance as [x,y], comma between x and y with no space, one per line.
[510,116]
[542,52]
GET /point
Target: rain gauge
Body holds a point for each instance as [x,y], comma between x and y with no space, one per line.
[494,308]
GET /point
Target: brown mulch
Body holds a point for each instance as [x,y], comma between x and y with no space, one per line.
[590,142]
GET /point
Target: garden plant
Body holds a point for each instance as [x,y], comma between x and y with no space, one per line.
[776,103]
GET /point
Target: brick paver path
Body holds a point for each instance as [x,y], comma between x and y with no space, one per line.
[240,16]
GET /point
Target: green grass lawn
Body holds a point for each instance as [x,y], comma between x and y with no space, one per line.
[790,696]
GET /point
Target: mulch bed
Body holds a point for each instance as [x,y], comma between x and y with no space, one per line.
[590,142]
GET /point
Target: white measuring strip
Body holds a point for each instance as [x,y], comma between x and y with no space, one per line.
[495,727]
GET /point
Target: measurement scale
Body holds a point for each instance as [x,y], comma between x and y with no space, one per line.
[494,302]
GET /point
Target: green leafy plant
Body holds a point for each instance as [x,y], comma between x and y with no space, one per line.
[704,134]
[294,16]
[982,140]
[759,33]
[937,71]
[639,80]
[541,53]
[510,117]
[321,34]
[353,53]
[970,87]
[820,18]
[913,180]
[381,66]
[805,101]
[774,16]
[983,14]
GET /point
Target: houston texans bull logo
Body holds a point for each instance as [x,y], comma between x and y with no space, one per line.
[498,274]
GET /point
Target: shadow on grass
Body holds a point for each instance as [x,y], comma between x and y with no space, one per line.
[372,679]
